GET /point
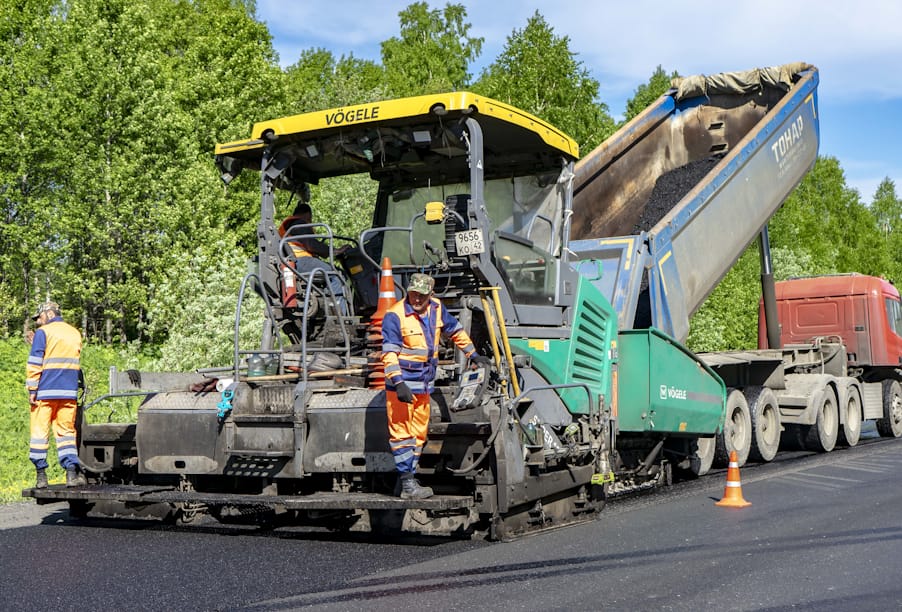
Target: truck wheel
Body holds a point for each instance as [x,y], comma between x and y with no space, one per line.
[851,428]
[890,426]
[737,431]
[702,457]
[821,437]
[765,413]
[690,457]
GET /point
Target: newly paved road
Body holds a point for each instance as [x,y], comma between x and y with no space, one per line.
[823,532]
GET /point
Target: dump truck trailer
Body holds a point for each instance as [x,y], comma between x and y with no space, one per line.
[662,211]
[547,263]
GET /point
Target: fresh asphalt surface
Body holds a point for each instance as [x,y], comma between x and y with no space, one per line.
[823,532]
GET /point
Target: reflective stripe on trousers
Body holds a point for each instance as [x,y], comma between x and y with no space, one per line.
[60,413]
[408,425]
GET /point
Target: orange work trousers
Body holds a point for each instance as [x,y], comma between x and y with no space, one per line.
[408,425]
[60,413]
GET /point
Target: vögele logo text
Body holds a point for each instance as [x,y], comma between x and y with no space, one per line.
[672,393]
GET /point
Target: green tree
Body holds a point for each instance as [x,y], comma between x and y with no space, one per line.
[120,105]
[26,30]
[198,297]
[728,319]
[658,84]
[433,52]
[826,218]
[887,209]
[537,72]
[319,81]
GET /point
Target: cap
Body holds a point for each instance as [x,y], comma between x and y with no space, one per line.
[45,307]
[421,283]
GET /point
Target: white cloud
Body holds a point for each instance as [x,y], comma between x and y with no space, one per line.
[350,26]
[858,44]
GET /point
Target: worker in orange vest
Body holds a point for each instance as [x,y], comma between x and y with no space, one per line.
[52,379]
[411,331]
[312,253]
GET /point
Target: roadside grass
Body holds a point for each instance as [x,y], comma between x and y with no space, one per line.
[16,471]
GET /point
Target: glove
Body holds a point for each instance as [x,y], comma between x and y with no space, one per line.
[481,361]
[404,392]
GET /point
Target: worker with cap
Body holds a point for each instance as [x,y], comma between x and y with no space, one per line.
[411,332]
[310,253]
[52,379]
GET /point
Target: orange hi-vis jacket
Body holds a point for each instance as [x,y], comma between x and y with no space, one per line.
[410,343]
[308,248]
[305,245]
[54,361]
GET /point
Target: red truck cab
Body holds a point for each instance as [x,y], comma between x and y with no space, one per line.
[864,311]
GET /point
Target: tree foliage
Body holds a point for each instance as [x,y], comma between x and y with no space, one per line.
[646,93]
[317,80]
[211,274]
[826,219]
[26,206]
[118,107]
[432,53]
[110,203]
[887,210]
[537,72]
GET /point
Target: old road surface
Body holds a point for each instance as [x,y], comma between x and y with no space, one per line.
[824,532]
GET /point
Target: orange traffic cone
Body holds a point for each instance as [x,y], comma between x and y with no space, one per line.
[375,371]
[386,291]
[732,493]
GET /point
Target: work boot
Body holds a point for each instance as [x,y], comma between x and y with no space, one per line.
[74,477]
[41,482]
[411,489]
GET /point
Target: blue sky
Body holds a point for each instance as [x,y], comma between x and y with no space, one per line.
[857,47]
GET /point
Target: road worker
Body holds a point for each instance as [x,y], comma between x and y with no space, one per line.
[52,380]
[411,331]
[312,253]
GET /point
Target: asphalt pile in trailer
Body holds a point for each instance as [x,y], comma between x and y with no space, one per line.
[670,188]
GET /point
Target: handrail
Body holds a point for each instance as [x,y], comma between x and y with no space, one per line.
[271,319]
[309,278]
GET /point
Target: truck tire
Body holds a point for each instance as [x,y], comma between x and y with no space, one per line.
[690,457]
[890,426]
[765,414]
[702,457]
[737,431]
[821,437]
[850,432]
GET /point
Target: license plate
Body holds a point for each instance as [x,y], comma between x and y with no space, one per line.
[469,242]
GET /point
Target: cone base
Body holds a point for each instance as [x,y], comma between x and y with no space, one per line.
[733,501]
